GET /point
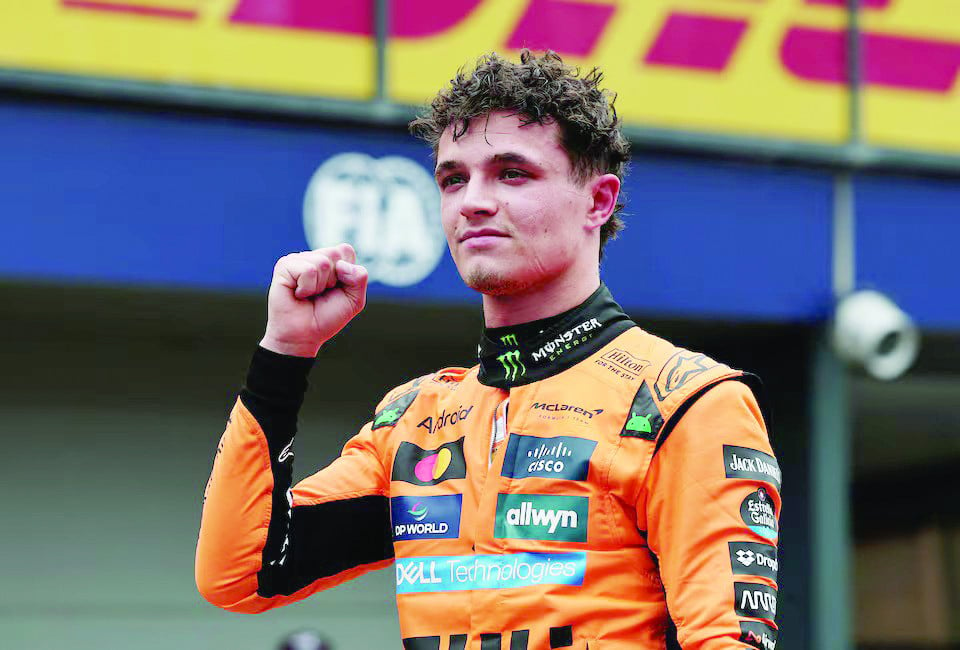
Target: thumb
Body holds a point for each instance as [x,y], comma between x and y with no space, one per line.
[353,280]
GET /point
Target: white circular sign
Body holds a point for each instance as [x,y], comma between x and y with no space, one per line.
[387,208]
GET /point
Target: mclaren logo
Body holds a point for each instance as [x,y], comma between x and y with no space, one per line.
[566,408]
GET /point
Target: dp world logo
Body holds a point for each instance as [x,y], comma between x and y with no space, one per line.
[387,208]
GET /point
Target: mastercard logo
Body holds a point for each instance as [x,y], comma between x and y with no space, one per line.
[432,467]
[419,466]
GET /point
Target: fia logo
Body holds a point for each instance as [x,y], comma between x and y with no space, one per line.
[387,208]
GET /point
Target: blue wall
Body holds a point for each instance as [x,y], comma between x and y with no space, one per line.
[102,195]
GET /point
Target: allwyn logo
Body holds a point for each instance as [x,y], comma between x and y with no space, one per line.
[544,517]
[512,365]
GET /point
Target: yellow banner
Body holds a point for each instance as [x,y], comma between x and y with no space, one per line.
[773,68]
[250,45]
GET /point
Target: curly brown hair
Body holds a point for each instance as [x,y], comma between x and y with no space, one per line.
[543,90]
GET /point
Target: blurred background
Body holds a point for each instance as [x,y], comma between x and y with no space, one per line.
[157,156]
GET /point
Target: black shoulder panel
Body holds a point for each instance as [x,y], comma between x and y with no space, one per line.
[644,420]
[753,383]
[390,414]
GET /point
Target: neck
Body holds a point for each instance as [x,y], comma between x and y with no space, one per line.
[542,301]
[522,353]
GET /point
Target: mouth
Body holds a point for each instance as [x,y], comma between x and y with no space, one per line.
[482,233]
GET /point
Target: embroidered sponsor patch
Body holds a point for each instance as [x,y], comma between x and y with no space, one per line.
[542,516]
[390,414]
[625,360]
[759,514]
[753,559]
[680,369]
[755,601]
[743,462]
[414,464]
[759,635]
[564,457]
[455,416]
[644,420]
[434,517]
[508,571]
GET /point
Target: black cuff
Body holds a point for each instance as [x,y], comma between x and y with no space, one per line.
[278,378]
[274,390]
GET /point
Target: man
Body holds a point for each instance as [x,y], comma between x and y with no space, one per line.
[587,485]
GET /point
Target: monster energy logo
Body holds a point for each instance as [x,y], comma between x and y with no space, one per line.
[512,365]
[509,339]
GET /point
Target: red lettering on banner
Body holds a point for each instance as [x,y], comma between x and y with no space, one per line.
[132,8]
[692,41]
[866,4]
[894,61]
[566,26]
[408,18]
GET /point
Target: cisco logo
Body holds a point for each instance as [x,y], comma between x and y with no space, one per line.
[387,208]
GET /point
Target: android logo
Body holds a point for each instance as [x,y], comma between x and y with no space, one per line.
[639,423]
[388,416]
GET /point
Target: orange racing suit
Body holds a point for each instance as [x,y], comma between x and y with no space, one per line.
[633,501]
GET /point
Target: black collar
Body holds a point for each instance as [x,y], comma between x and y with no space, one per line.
[528,352]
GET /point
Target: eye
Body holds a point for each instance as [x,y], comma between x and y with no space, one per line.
[513,174]
[452,179]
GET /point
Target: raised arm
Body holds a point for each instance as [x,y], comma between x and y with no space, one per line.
[262,543]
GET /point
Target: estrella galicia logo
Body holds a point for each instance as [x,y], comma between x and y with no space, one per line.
[679,369]
[759,635]
[563,457]
[414,464]
[759,514]
[743,462]
[542,516]
[755,601]
[433,517]
[753,559]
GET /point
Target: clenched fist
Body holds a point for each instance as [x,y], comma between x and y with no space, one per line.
[313,295]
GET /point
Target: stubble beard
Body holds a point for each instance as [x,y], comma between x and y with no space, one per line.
[492,282]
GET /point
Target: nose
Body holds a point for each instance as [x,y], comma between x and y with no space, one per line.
[478,200]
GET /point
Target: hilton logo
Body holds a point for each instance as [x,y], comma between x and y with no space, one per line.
[625,360]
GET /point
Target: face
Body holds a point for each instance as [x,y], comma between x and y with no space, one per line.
[513,214]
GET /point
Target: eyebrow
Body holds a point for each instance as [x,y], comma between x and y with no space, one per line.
[496,159]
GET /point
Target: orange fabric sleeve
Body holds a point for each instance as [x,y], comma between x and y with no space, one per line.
[309,549]
[712,506]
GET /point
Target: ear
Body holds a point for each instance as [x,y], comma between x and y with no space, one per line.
[604,191]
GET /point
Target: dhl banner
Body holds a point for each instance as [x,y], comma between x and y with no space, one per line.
[774,68]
